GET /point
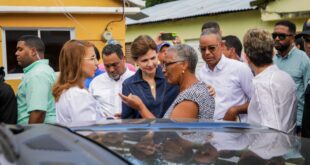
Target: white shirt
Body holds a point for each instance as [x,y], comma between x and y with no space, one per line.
[75,105]
[271,144]
[232,81]
[105,90]
[274,101]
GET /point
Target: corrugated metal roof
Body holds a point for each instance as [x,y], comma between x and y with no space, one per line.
[190,8]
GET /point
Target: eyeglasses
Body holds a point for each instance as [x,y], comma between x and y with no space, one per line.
[94,59]
[166,64]
[306,39]
[115,64]
[211,48]
[281,36]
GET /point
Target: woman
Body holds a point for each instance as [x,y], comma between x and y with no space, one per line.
[77,62]
[194,100]
[148,82]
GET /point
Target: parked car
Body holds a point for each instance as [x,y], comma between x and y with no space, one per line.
[151,142]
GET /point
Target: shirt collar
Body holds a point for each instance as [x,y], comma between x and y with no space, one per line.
[28,68]
[288,54]
[124,75]
[138,75]
[268,69]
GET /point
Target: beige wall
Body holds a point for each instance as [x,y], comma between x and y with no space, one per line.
[231,23]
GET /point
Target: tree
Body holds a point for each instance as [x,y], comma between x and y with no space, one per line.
[150,3]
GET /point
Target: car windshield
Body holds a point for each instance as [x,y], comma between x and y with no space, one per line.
[157,142]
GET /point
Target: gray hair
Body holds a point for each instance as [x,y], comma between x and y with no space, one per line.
[186,53]
[211,31]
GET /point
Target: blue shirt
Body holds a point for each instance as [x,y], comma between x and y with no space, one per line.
[165,94]
[296,63]
[88,81]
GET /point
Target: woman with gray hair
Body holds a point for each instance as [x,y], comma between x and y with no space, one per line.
[194,100]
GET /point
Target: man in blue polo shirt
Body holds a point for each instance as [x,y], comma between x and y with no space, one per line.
[34,98]
[293,61]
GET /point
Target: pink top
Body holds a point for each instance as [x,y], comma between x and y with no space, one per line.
[128,65]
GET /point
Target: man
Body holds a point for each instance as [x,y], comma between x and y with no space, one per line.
[162,50]
[232,47]
[106,87]
[305,35]
[293,61]
[34,98]
[8,104]
[231,79]
[274,102]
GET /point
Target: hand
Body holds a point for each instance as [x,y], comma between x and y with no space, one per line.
[158,39]
[211,90]
[231,114]
[132,100]
[177,40]
[117,115]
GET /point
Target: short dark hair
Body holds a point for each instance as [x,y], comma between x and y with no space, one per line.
[258,46]
[33,42]
[141,45]
[291,26]
[113,48]
[210,24]
[97,53]
[232,41]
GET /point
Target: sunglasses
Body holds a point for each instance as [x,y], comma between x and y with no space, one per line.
[306,39]
[211,48]
[281,36]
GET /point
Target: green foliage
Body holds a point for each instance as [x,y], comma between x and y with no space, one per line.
[150,3]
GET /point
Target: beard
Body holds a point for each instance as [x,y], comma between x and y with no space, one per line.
[282,47]
[114,76]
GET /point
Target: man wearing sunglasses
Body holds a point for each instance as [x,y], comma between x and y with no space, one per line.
[231,79]
[305,36]
[293,61]
[106,87]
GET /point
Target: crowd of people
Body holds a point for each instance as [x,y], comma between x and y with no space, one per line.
[266,84]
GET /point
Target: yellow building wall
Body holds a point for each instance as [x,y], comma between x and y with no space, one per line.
[190,28]
[86,26]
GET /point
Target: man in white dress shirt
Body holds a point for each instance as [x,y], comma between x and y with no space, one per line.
[106,87]
[274,100]
[231,79]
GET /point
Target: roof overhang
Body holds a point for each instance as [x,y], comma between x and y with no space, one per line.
[68,9]
[138,3]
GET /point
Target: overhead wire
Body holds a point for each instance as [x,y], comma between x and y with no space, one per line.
[71,17]
[123,16]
